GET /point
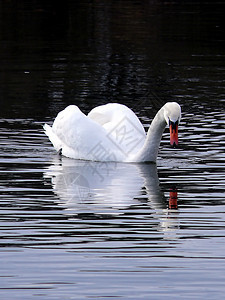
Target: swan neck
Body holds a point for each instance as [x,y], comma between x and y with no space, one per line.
[150,148]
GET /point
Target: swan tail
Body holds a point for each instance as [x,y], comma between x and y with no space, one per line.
[53,137]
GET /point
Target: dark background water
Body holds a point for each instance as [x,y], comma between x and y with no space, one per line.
[72,230]
[94,52]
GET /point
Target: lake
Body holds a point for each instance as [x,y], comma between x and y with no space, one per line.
[75,229]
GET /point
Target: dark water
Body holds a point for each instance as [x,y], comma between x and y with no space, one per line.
[81,230]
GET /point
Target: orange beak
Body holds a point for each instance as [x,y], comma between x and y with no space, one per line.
[173,133]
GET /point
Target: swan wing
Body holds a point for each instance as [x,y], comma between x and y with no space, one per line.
[111,114]
[123,127]
[110,132]
[75,134]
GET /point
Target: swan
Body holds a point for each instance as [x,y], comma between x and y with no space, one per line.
[111,132]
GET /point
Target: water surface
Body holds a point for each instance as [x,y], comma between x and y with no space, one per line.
[84,230]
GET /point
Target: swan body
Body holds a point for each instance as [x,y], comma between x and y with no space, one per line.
[111,132]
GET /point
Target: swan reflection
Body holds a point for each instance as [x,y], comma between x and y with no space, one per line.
[85,185]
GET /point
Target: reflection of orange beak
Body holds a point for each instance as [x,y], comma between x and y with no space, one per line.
[173,134]
[173,199]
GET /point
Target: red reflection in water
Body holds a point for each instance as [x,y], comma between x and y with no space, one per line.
[173,199]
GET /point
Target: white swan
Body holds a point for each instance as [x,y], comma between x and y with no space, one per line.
[112,132]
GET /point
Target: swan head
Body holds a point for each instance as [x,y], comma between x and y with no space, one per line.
[172,115]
